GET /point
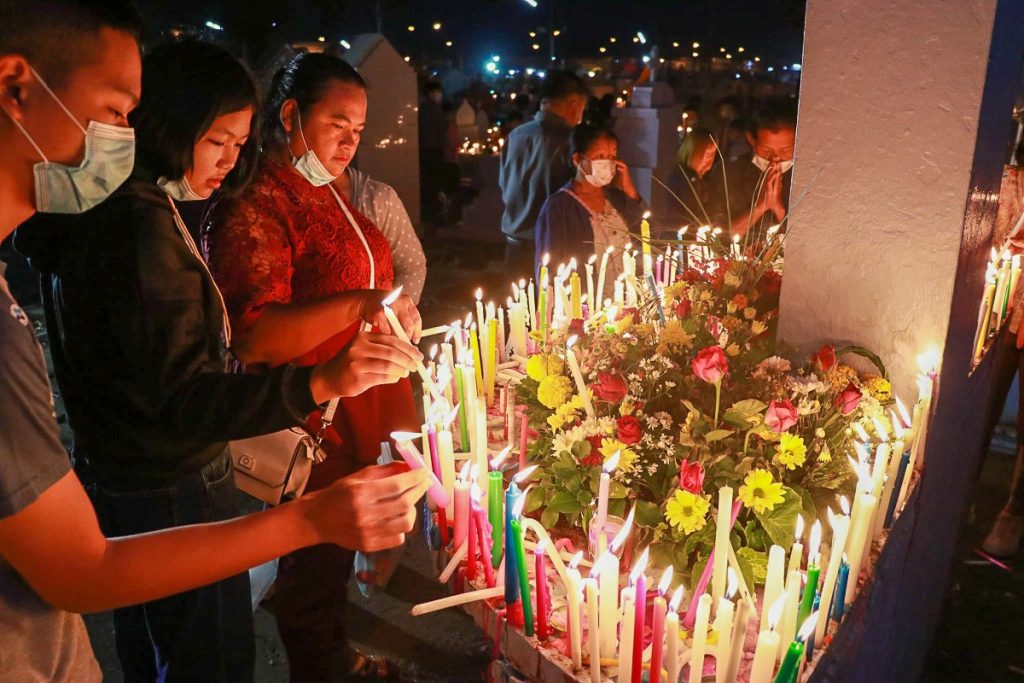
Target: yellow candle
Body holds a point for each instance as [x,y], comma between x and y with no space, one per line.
[446,452]
[474,344]
[645,236]
[985,314]
[575,297]
[768,641]
[796,553]
[491,362]
[864,504]
[723,629]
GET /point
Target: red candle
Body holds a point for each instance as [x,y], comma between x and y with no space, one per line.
[543,591]
[471,539]
[483,529]
[640,582]
[524,421]
[658,635]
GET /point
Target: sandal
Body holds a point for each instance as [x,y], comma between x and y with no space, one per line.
[1004,539]
[367,667]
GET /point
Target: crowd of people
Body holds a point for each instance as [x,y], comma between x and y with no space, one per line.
[175,331]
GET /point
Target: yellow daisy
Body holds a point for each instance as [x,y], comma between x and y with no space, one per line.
[761,492]
[554,390]
[792,451]
[626,454]
[686,511]
[543,364]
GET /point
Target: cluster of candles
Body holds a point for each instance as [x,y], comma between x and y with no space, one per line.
[1001,277]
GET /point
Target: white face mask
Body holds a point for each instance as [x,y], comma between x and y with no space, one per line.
[180,189]
[309,165]
[763,164]
[601,172]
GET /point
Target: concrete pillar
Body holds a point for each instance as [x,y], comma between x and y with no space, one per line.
[903,132]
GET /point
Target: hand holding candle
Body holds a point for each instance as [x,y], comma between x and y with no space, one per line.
[407,449]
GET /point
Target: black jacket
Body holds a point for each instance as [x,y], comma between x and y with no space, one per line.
[135,331]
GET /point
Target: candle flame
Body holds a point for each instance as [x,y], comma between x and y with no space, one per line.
[732,583]
[775,612]
[815,546]
[570,341]
[450,417]
[799,527]
[517,507]
[592,259]
[844,505]
[433,352]
[479,294]
[735,239]
[862,433]
[666,581]
[541,545]
[681,232]
[677,599]
[572,263]
[475,494]
[464,472]
[897,427]
[576,559]
[929,360]
[611,463]
[598,566]
[525,474]
[508,302]
[639,567]
[496,461]
[904,415]
[406,437]
[392,297]
[546,260]
[808,628]
[862,452]
[474,472]
[880,429]
[620,537]
[469,320]
[610,250]
[647,214]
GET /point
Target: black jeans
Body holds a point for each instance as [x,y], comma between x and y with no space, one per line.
[199,635]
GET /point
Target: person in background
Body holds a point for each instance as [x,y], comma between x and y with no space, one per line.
[736,142]
[752,192]
[434,123]
[535,163]
[695,160]
[299,267]
[380,203]
[70,74]
[598,208]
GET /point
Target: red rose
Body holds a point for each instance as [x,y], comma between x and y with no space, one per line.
[825,359]
[595,457]
[683,309]
[610,387]
[848,399]
[780,416]
[576,328]
[771,282]
[691,477]
[630,429]
[710,364]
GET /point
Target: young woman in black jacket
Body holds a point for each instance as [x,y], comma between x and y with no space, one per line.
[137,331]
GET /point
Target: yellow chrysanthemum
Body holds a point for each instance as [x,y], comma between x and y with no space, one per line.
[686,511]
[543,364]
[673,337]
[626,454]
[556,421]
[879,387]
[644,331]
[624,325]
[760,492]
[554,390]
[839,376]
[792,451]
[627,407]
[675,290]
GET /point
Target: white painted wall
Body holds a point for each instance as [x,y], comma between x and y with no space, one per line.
[889,106]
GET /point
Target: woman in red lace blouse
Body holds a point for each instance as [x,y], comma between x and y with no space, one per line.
[301,271]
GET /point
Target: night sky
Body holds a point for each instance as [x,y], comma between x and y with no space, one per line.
[771,29]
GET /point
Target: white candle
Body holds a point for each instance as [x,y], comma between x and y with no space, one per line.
[723,628]
[483,457]
[609,584]
[796,553]
[722,529]
[594,639]
[790,612]
[603,271]
[572,617]
[581,385]
[619,295]
[456,600]
[775,580]
[481,319]
[700,639]
[672,636]
[602,492]
[739,636]
[591,301]
[840,530]
[399,331]
[531,298]
[628,616]
[860,527]
[768,641]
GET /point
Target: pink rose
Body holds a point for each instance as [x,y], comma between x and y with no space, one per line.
[780,416]
[711,364]
[691,477]
[848,399]
[825,359]
[683,309]
[630,430]
[610,387]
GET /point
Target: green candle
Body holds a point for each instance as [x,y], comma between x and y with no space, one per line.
[791,662]
[524,578]
[495,483]
[810,590]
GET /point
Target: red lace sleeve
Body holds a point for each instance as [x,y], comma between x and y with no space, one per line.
[249,249]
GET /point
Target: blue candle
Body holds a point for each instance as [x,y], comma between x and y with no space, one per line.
[810,639]
[839,598]
[657,296]
[511,575]
[897,487]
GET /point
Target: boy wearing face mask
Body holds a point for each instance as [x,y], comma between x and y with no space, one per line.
[751,194]
[597,209]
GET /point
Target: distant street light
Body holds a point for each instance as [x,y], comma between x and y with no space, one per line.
[214,25]
[345,44]
[642,37]
[531,3]
[437,25]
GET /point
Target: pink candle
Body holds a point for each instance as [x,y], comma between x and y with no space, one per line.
[524,422]
[702,585]
[435,462]
[471,539]
[483,530]
[639,581]
[543,591]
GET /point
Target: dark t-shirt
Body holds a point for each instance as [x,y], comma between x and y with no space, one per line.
[37,641]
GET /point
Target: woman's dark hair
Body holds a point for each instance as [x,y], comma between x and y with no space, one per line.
[186,84]
[303,80]
[585,135]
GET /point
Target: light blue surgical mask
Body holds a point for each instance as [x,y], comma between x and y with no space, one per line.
[108,161]
[180,189]
[309,165]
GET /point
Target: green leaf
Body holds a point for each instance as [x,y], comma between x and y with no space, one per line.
[717,435]
[549,518]
[747,570]
[864,353]
[563,502]
[741,412]
[647,514]
[534,499]
[758,563]
[780,522]
[692,408]
[617,490]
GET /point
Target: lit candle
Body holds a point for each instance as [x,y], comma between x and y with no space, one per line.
[895,456]
[723,527]
[484,539]
[407,449]
[446,450]
[985,312]
[794,655]
[723,631]
[542,304]
[495,485]
[474,345]
[609,584]
[638,580]
[672,635]
[573,586]
[399,331]
[860,527]
[840,530]
[700,639]
[601,275]
[658,623]
[481,319]
[619,289]
[789,614]
[645,237]
[472,533]
[592,619]
[774,581]
[626,636]
[796,552]
[581,385]
[481,454]
[591,301]
[520,560]
[602,491]
[839,599]
[813,573]
[767,650]
[540,573]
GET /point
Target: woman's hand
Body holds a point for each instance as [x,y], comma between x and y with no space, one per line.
[372,312]
[369,360]
[623,181]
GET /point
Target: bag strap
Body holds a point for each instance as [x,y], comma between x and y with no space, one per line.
[359,233]
[328,415]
